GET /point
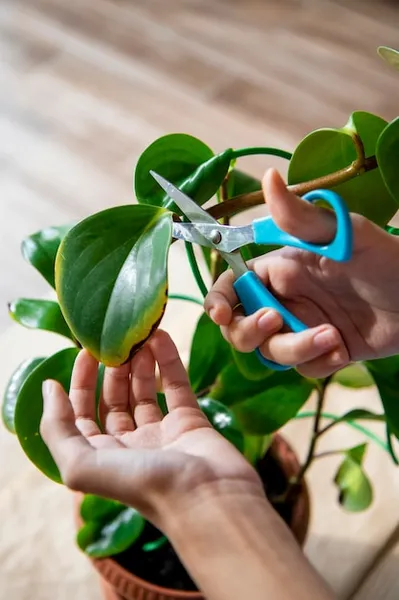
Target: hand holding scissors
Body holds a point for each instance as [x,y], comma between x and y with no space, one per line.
[203,229]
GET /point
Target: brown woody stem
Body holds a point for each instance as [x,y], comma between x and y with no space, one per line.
[245,201]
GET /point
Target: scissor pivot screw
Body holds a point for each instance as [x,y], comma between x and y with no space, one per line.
[216,236]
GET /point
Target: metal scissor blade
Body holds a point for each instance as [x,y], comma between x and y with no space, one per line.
[232,238]
[189,233]
[186,205]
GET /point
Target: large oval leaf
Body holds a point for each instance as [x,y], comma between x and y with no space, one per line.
[269,410]
[111,279]
[353,376]
[390,55]
[99,540]
[96,508]
[39,314]
[385,372]
[328,150]
[208,355]
[13,388]
[185,161]
[29,409]
[355,491]
[40,250]
[262,406]
[223,420]
[387,153]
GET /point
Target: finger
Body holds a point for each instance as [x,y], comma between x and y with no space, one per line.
[325,365]
[67,445]
[247,333]
[298,348]
[82,393]
[296,216]
[175,383]
[221,299]
[144,405]
[115,400]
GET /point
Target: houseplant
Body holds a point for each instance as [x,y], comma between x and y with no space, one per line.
[244,400]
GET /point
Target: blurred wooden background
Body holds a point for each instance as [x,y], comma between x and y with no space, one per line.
[86,85]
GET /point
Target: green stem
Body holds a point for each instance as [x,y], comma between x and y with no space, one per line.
[195,268]
[260,150]
[369,434]
[184,297]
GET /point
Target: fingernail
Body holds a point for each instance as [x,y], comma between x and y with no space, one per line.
[268,320]
[336,359]
[47,388]
[325,340]
[212,313]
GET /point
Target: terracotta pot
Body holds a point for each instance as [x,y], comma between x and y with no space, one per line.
[120,584]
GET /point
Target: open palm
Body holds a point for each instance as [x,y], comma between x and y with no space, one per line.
[138,456]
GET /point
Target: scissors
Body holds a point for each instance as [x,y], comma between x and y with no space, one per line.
[203,229]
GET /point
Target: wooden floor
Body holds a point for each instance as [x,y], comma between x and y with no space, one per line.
[86,85]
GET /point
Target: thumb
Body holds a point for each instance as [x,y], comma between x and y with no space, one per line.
[296,216]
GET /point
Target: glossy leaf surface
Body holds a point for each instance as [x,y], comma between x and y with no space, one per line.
[328,150]
[390,55]
[13,388]
[99,540]
[209,353]
[262,406]
[40,250]
[39,314]
[186,162]
[355,491]
[385,372]
[97,508]
[111,279]
[223,420]
[354,376]
[29,409]
[387,153]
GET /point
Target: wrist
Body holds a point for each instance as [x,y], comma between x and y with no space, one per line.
[236,546]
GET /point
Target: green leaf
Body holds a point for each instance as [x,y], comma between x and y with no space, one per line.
[391,449]
[111,279]
[208,355]
[269,410]
[241,183]
[13,388]
[98,540]
[250,366]
[155,545]
[385,372]
[390,55]
[325,151]
[387,157]
[40,250]
[355,491]
[360,414]
[29,408]
[353,376]
[96,508]
[264,406]
[187,163]
[162,403]
[256,446]
[223,420]
[39,314]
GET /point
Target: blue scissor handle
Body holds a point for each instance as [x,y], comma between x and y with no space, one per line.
[340,249]
[250,290]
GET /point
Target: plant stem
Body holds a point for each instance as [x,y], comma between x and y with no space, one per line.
[245,201]
[195,268]
[315,432]
[216,257]
[327,453]
[366,432]
[260,150]
[184,297]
